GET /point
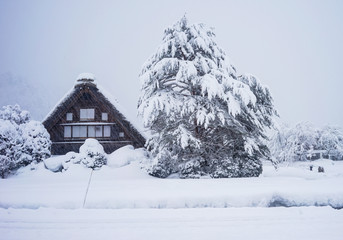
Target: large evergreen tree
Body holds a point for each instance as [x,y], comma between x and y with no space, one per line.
[205,120]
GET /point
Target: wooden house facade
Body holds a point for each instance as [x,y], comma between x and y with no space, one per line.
[87,113]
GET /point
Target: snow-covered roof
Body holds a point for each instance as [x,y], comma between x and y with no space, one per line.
[87,76]
[66,96]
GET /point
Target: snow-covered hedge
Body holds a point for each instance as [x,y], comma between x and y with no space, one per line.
[22,141]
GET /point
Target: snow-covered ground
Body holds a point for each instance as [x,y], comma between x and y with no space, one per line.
[125,203]
[130,187]
[198,223]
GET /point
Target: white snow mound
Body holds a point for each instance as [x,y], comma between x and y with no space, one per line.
[124,156]
[91,145]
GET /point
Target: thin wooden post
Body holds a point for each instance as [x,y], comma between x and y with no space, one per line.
[89,182]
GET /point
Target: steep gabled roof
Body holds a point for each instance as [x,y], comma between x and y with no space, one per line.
[84,82]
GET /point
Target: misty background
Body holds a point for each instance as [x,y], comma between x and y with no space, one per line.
[294,47]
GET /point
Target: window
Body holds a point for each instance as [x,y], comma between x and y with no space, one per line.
[79,131]
[87,114]
[121,134]
[107,131]
[104,116]
[67,132]
[98,131]
[91,131]
[83,131]
[87,131]
[69,116]
[76,131]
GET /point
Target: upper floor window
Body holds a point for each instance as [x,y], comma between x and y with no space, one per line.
[69,116]
[67,131]
[87,114]
[104,116]
[79,131]
[107,131]
[90,131]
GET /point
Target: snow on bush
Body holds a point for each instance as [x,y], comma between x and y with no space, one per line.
[8,147]
[125,155]
[55,164]
[205,119]
[37,141]
[91,155]
[22,141]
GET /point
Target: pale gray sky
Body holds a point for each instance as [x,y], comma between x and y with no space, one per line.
[294,47]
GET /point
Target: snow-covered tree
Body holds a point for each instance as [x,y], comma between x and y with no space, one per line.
[204,119]
[14,114]
[22,141]
[331,140]
[258,117]
[9,141]
[36,144]
[298,143]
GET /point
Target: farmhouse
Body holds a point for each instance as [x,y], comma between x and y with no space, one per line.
[87,111]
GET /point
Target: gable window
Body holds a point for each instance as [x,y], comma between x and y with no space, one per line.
[121,134]
[69,116]
[104,116]
[86,114]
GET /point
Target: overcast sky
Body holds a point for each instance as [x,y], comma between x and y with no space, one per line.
[294,47]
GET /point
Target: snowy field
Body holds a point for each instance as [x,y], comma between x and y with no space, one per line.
[197,223]
[125,203]
[130,187]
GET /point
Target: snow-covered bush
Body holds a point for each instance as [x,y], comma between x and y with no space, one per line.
[301,142]
[68,159]
[22,141]
[36,146]
[92,154]
[8,147]
[205,120]
[125,155]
